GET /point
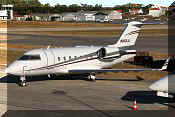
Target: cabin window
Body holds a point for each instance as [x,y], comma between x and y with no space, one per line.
[30,57]
[65,58]
[58,58]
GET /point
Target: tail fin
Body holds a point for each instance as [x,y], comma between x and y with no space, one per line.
[129,35]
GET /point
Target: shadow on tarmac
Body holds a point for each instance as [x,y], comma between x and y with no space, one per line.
[122,79]
[15,79]
[148,97]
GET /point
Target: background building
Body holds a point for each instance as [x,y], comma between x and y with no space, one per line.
[3,15]
[135,11]
[157,11]
[115,15]
[100,16]
[86,15]
[71,16]
[6,10]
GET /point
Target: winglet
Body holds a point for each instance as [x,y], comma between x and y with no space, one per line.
[165,66]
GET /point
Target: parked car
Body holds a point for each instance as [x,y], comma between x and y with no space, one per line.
[102,20]
[106,20]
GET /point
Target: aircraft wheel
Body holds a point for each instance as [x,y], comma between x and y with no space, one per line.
[173,97]
[23,83]
[91,77]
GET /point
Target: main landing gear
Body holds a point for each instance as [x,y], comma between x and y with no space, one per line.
[91,77]
[51,76]
[23,81]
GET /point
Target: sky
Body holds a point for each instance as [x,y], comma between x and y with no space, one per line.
[107,3]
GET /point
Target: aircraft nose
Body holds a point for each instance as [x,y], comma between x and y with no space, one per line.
[13,69]
[9,70]
[153,86]
[161,85]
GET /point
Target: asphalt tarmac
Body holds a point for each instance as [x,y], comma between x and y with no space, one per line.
[57,28]
[144,43]
[65,93]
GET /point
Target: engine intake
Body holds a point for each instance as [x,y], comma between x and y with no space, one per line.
[101,53]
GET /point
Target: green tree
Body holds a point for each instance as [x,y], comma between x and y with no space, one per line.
[46,8]
[97,7]
[74,8]
[60,8]
[122,7]
[86,7]
[146,9]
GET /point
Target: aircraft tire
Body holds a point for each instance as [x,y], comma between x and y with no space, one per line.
[23,83]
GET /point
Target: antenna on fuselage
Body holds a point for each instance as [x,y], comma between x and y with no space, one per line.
[48,47]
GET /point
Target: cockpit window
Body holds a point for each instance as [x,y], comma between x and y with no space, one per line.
[30,57]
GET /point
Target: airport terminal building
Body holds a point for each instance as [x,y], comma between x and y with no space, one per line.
[6,12]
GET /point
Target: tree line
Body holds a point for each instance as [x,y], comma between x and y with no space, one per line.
[24,7]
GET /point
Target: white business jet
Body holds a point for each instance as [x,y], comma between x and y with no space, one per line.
[77,60]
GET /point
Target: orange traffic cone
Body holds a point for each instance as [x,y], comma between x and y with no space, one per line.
[135,105]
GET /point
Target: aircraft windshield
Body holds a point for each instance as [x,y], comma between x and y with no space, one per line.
[30,57]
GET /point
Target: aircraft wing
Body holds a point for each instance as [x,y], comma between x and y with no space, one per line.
[164,67]
[109,70]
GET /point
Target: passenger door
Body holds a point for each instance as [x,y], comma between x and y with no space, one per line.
[50,59]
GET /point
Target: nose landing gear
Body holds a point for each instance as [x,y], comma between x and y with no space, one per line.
[23,81]
[92,77]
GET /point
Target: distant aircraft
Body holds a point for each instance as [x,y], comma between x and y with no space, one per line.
[78,60]
[165,86]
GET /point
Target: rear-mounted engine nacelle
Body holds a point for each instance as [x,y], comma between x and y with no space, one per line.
[101,53]
[107,52]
